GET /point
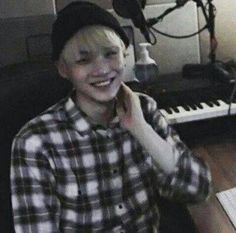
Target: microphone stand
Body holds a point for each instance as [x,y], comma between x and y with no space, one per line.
[210,20]
[213,69]
[211,29]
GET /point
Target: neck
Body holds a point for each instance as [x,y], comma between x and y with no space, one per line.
[98,112]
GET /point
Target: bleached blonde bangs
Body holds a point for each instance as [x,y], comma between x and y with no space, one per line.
[91,37]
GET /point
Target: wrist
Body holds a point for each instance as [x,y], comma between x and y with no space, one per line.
[139,131]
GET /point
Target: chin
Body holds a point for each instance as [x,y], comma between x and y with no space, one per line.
[107,95]
[105,98]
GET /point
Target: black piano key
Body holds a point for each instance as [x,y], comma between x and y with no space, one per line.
[169,111]
[216,102]
[225,101]
[210,104]
[193,107]
[186,107]
[176,110]
[199,105]
[193,100]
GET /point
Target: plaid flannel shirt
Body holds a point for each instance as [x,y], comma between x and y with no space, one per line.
[71,176]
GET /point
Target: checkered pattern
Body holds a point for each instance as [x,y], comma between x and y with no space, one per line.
[71,176]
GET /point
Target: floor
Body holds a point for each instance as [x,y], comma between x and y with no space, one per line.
[218,148]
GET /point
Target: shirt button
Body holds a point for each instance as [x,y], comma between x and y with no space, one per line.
[120,209]
[115,170]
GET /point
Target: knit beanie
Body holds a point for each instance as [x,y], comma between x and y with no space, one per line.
[77,15]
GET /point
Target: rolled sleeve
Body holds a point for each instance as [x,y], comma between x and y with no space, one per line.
[191,179]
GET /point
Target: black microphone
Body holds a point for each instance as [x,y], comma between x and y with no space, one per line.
[132,9]
[181,2]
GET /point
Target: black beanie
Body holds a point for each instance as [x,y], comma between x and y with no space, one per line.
[77,15]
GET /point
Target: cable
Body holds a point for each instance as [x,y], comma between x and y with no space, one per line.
[179,37]
[231,99]
[153,21]
[154,39]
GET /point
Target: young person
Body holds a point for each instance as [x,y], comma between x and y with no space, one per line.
[97,160]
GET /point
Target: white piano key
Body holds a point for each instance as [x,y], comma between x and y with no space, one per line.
[164,113]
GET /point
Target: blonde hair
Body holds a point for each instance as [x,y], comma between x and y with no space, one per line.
[91,37]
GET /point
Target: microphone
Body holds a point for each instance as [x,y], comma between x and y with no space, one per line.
[132,9]
[181,3]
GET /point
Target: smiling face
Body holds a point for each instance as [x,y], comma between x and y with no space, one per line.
[93,60]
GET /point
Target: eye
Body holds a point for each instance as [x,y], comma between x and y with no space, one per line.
[126,54]
[111,53]
[82,61]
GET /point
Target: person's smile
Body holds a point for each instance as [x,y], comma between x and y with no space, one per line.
[104,82]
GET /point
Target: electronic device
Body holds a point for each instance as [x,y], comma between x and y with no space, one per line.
[227,200]
[188,100]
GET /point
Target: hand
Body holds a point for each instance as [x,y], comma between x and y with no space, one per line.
[129,109]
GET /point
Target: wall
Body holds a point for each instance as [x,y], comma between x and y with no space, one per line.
[225,30]
[19,21]
[170,53]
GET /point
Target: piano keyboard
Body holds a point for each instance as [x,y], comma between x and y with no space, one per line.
[185,100]
[194,112]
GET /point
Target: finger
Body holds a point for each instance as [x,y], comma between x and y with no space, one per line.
[126,89]
[122,98]
[120,93]
[119,108]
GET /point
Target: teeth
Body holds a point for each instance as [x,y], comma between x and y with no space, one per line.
[102,84]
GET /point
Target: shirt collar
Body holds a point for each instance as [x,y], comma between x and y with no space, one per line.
[79,118]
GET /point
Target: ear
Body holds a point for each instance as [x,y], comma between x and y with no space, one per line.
[63,69]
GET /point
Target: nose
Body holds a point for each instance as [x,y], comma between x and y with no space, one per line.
[100,67]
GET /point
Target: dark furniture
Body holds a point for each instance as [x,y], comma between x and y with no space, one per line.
[26,89]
